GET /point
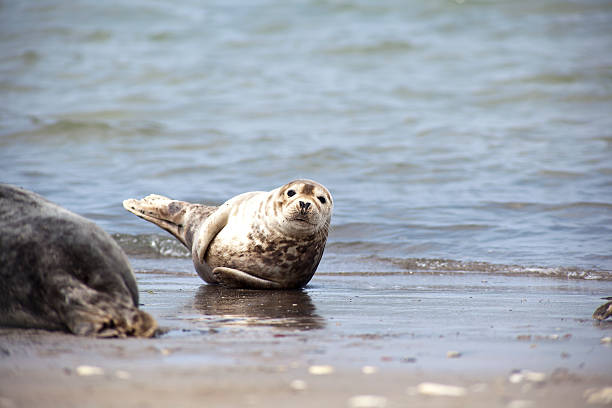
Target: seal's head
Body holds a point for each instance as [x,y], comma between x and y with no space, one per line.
[304,206]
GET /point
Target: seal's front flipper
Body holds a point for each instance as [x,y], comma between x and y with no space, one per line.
[179,218]
[208,231]
[235,278]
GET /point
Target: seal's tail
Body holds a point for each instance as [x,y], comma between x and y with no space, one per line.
[179,218]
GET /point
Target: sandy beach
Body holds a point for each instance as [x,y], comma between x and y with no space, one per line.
[362,340]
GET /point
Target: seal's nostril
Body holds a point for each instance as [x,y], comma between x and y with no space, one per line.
[304,206]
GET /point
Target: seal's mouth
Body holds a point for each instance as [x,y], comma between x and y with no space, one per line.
[302,220]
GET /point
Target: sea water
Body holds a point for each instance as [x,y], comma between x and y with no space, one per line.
[455,136]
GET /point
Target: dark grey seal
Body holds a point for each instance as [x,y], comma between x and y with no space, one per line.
[59,271]
[256,240]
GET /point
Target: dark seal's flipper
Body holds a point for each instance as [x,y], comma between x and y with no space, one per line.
[60,271]
[603,312]
[170,215]
[90,312]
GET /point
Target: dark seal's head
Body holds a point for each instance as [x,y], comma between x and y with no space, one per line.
[302,208]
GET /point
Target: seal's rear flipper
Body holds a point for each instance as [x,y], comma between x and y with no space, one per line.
[170,215]
[235,278]
[89,312]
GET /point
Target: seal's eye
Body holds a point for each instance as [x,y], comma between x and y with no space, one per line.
[322,199]
[290,193]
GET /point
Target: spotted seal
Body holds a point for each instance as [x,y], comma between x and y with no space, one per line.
[59,271]
[256,240]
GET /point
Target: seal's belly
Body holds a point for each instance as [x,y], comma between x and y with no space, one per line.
[275,258]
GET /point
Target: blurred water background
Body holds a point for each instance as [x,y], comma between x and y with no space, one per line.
[454,135]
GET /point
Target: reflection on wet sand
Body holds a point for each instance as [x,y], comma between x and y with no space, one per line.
[291,309]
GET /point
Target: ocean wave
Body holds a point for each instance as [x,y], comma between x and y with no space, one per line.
[542,207]
[449,266]
[159,246]
[151,245]
[382,47]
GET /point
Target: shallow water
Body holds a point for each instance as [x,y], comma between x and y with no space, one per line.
[454,136]
[402,321]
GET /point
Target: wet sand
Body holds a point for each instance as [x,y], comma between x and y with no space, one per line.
[508,341]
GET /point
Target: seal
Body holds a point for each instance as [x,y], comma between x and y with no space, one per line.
[256,240]
[59,271]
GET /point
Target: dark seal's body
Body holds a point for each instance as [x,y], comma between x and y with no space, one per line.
[60,271]
[259,240]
